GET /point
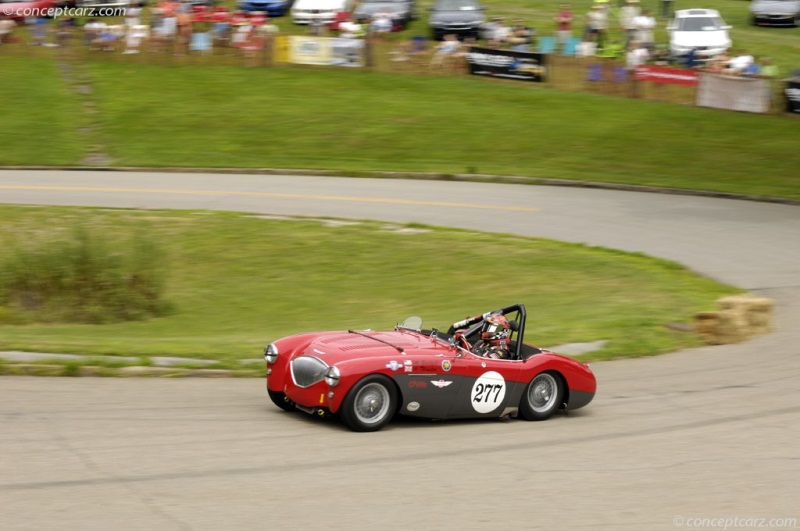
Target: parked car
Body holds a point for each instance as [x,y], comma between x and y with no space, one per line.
[701,30]
[401,11]
[273,8]
[463,18]
[367,377]
[304,11]
[775,12]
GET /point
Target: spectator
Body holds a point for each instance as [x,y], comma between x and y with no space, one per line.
[740,62]
[627,15]
[521,36]
[350,29]
[446,51]
[381,24]
[645,24]
[39,32]
[753,69]
[222,25]
[597,24]
[133,38]
[183,20]
[133,15]
[564,20]
[768,69]
[691,59]
[241,33]
[91,32]
[716,65]
[500,33]
[637,55]
[6,27]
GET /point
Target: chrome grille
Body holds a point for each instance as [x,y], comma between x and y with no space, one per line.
[308,370]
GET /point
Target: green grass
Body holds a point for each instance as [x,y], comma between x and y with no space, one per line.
[40,118]
[238,281]
[360,121]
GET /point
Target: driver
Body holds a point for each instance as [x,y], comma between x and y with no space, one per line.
[494,341]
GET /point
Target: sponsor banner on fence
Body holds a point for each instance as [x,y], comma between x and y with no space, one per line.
[309,50]
[347,52]
[326,51]
[666,74]
[792,93]
[735,93]
[508,64]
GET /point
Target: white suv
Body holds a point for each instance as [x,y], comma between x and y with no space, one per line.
[304,11]
[701,30]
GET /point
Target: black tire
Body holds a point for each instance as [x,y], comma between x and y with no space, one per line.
[370,404]
[542,397]
[279,399]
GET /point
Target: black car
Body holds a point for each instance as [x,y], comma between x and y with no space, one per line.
[460,17]
[401,11]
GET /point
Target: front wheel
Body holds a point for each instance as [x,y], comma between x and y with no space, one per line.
[370,404]
[542,397]
[280,400]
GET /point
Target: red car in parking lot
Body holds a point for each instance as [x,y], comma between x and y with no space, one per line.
[22,9]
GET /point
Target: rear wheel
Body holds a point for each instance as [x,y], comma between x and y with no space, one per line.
[542,397]
[279,399]
[370,404]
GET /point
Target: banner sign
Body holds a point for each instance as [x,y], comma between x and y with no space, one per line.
[507,64]
[792,93]
[309,50]
[326,51]
[666,74]
[347,52]
[736,93]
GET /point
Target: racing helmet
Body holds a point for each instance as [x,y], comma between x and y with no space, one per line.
[495,330]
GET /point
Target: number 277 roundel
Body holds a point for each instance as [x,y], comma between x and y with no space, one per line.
[488,392]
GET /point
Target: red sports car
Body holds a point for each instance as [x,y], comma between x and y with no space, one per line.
[479,368]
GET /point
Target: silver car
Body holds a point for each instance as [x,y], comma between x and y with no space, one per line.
[775,12]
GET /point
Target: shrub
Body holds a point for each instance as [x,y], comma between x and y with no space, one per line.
[84,279]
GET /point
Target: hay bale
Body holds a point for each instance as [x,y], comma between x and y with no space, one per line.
[739,318]
[705,324]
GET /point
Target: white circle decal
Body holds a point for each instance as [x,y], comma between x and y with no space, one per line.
[413,406]
[488,392]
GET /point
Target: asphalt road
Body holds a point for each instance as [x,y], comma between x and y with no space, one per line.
[691,439]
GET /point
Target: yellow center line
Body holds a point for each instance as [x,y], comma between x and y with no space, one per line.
[445,204]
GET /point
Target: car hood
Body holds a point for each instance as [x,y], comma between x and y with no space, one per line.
[335,347]
[456,16]
[697,39]
[372,8]
[318,4]
[775,8]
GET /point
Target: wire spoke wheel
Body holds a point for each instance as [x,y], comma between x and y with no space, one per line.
[370,404]
[542,393]
[542,397]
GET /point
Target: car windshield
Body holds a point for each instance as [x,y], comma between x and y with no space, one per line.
[457,5]
[699,24]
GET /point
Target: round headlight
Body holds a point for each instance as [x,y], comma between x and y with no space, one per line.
[332,376]
[271,353]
